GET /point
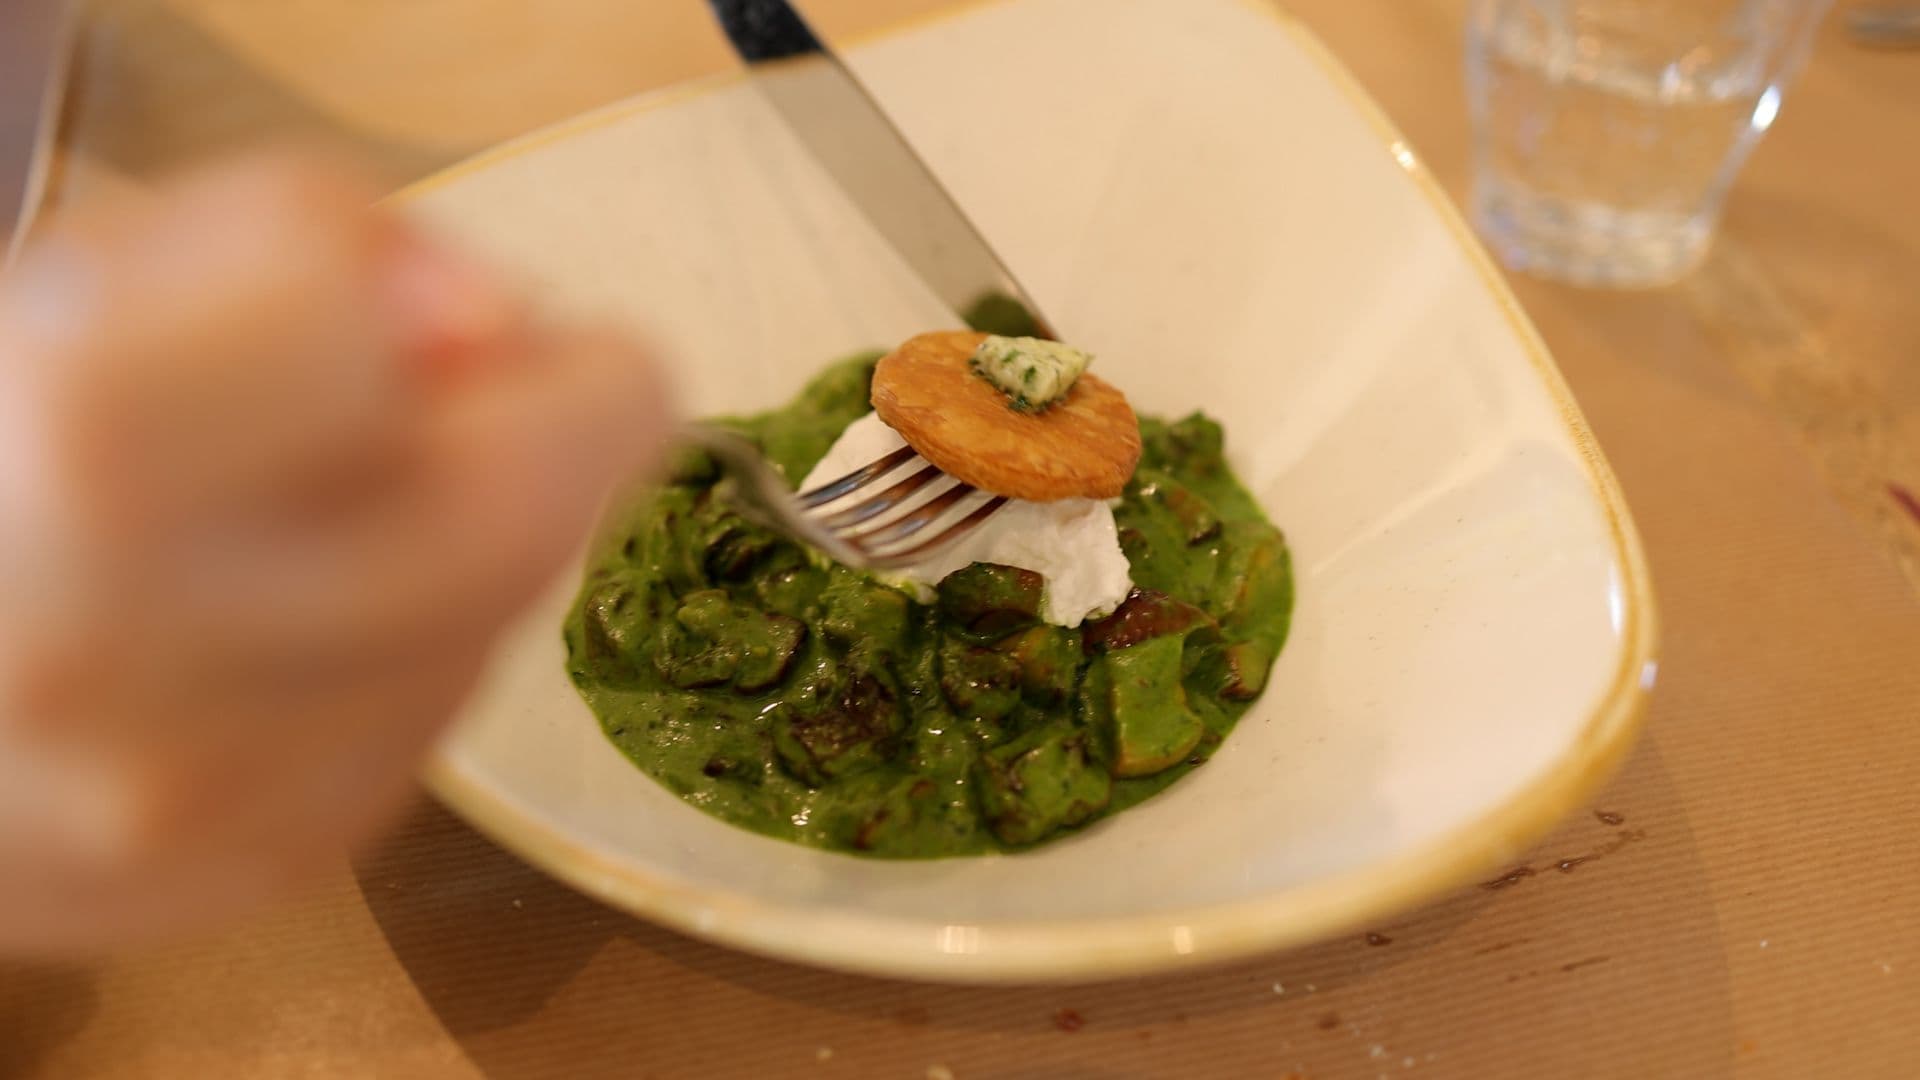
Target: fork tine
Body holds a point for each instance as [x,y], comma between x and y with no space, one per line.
[759,494]
[906,525]
[882,502]
[959,528]
[858,478]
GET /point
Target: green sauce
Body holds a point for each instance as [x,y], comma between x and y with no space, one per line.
[808,702]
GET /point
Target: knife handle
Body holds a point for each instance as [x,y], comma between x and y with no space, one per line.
[765,29]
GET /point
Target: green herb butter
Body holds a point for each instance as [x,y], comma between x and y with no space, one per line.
[1033,372]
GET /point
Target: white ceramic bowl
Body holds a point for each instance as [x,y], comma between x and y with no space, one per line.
[1200,195]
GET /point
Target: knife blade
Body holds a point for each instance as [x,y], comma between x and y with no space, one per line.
[35,41]
[845,129]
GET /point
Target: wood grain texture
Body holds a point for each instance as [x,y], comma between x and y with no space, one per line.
[1745,909]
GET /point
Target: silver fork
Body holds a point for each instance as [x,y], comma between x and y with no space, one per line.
[847,518]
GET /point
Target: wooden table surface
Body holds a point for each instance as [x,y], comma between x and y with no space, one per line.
[1753,915]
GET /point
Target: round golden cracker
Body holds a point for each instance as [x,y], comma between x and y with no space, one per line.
[1084,446]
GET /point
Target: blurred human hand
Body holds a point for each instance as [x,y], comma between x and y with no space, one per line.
[274,469]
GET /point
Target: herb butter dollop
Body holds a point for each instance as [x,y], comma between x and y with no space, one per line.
[1033,372]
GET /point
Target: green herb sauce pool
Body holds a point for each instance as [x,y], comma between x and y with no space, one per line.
[811,703]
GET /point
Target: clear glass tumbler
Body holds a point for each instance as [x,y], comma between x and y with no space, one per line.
[1607,132]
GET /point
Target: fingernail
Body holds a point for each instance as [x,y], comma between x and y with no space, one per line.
[450,309]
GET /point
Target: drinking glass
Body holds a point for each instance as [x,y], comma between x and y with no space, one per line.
[1607,132]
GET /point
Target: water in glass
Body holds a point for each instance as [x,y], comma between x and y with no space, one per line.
[1608,131]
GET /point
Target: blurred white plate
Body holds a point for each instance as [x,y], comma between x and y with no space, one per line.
[1199,194]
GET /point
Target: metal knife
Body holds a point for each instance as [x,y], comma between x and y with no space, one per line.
[35,42]
[847,131]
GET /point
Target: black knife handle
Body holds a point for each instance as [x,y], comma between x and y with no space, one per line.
[764,29]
